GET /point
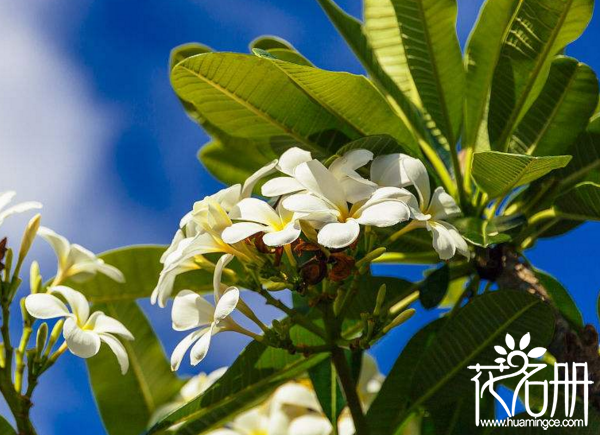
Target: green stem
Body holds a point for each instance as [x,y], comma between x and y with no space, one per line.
[349,389]
[458,176]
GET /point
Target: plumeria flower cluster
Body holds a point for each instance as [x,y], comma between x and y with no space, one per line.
[83,331]
[307,202]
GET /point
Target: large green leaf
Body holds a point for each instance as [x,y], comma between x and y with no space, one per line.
[6,428]
[467,338]
[324,379]
[586,159]
[428,30]
[435,286]
[537,31]
[141,267]
[279,48]
[498,173]
[351,30]
[394,395]
[561,111]
[257,372]
[481,56]
[377,144]
[383,34]
[561,299]
[353,99]
[580,203]
[127,402]
[480,232]
[230,91]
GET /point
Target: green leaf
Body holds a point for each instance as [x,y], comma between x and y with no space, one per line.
[428,29]
[141,267]
[279,48]
[582,202]
[6,428]
[394,395]
[498,173]
[183,51]
[232,160]
[585,162]
[434,287]
[324,379]
[442,374]
[594,126]
[127,402]
[377,144]
[255,374]
[480,232]
[561,298]
[351,30]
[384,36]
[561,111]
[481,56]
[538,30]
[219,85]
[354,99]
[458,418]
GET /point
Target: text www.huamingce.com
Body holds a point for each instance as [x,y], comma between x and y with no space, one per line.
[533,422]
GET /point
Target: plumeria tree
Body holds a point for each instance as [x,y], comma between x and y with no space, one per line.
[459,162]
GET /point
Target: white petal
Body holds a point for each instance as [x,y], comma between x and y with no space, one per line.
[310,425]
[84,344]
[241,230]
[76,300]
[226,304]
[281,186]
[59,243]
[191,310]
[111,271]
[459,241]
[200,349]
[119,351]
[417,174]
[346,426]
[339,235]
[6,197]
[296,394]
[19,208]
[254,178]
[305,203]
[163,289]
[252,422]
[284,237]
[103,324]
[227,197]
[442,205]
[443,243]
[318,180]
[384,214]
[255,210]
[223,261]
[45,306]
[386,170]
[183,346]
[292,158]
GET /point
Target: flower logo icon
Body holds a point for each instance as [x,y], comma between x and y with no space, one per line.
[534,353]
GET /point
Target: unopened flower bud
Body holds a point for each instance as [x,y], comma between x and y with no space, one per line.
[40,339]
[35,279]
[400,319]
[380,299]
[373,255]
[28,237]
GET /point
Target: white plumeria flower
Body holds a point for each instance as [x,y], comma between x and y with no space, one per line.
[253,422]
[289,402]
[387,170]
[326,206]
[356,187]
[287,164]
[83,332]
[279,226]
[75,261]
[311,424]
[6,198]
[432,211]
[200,233]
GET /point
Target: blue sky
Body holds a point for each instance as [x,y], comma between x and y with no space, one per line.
[90,126]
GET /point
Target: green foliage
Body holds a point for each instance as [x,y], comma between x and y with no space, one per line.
[324,380]
[257,372]
[6,428]
[435,286]
[498,173]
[580,203]
[562,299]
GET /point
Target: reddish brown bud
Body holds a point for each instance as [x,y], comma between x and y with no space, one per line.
[342,268]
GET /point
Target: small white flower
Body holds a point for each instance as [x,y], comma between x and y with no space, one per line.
[75,261]
[432,212]
[279,226]
[326,206]
[290,401]
[83,332]
[287,164]
[6,198]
